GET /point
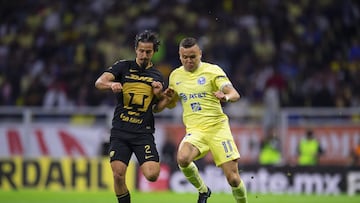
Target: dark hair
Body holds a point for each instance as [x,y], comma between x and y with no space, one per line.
[147,36]
[309,133]
[188,42]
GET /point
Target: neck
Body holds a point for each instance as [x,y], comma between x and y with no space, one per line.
[195,68]
[147,65]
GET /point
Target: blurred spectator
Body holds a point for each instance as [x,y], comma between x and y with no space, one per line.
[34,95]
[355,155]
[274,87]
[270,153]
[314,46]
[309,150]
[354,50]
[56,96]
[263,46]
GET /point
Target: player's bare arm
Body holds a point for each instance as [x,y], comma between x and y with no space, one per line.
[106,82]
[168,100]
[157,90]
[227,94]
[172,96]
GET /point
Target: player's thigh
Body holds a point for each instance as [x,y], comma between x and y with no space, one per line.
[187,152]
[193,146]
[145,149]
[119,148]
[222,145]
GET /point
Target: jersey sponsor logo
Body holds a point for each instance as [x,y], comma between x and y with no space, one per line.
[201,80]
[131,119]
[132,113]
[141,78]
[197,95]
[184,97]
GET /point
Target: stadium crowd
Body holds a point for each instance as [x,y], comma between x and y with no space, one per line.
[294,52]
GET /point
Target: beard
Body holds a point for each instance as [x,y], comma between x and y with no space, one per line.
[144,63]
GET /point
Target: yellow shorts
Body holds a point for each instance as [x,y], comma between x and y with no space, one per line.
[217,139]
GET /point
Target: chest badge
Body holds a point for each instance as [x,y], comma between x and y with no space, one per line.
[201,80]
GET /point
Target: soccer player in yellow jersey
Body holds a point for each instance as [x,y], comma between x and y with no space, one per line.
[200,87]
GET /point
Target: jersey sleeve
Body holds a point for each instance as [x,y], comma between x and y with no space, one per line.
[220,78]
[160,78]
[117,69]
[171,80]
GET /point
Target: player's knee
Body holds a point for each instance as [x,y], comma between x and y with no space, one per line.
[152,176]
[151,173]
[119,177]
[183,161]
[233,179]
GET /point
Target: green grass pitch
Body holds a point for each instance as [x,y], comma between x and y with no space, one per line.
[36,196]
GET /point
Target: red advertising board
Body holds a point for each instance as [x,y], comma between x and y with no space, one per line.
[337,142]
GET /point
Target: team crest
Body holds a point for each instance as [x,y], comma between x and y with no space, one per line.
[201,80]
[112,153]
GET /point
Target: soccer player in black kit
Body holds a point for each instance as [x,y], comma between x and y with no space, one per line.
[138,86]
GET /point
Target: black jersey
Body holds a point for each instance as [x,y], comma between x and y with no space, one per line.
[133,112]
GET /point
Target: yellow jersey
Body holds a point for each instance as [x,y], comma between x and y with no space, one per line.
[201,109]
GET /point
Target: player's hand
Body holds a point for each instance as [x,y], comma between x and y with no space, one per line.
[157,88]
[169,93]
[116,87]
[220,95]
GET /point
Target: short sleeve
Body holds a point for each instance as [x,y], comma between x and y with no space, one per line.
[220,78]
[117,69]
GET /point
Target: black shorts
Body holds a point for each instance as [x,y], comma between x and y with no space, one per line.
[123,144]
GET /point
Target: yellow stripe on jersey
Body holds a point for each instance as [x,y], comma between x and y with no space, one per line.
[201,109]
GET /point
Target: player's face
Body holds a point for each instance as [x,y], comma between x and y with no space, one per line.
[190,57]
[144,53]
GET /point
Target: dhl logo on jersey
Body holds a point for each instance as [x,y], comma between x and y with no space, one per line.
[142,78]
